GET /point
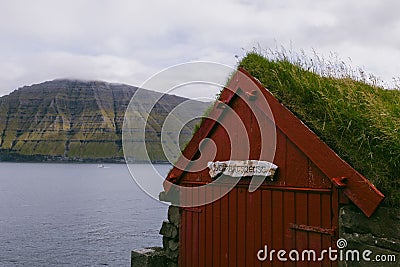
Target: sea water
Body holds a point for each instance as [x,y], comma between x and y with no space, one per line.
[75,214]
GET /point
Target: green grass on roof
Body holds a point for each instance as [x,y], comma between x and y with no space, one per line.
[359,121]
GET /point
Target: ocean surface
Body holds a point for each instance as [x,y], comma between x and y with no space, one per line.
[75,214]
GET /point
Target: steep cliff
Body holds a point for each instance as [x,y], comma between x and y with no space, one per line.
[77,120]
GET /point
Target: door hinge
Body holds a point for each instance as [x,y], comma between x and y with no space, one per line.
[315,229]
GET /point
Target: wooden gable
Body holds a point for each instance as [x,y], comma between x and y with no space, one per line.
[304,160]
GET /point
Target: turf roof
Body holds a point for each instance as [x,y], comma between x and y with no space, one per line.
[359,121]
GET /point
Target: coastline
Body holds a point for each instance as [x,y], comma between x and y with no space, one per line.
[11,157]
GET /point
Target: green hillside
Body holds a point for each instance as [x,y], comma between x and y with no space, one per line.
[359,121]
[72,120]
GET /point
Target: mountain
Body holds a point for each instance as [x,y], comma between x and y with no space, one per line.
[73,120]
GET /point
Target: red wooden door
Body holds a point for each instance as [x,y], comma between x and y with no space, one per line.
[231,231]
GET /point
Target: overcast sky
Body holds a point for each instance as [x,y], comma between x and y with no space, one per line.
[128,41]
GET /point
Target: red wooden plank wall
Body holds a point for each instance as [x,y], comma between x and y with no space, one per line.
[230,231]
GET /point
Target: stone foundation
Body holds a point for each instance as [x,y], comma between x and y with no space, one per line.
[170,233]
[380,234]
[148,257]
[168,255]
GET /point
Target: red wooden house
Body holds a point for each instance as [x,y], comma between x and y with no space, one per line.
[298,209]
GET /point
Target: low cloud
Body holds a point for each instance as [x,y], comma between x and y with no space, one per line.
[127,41]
